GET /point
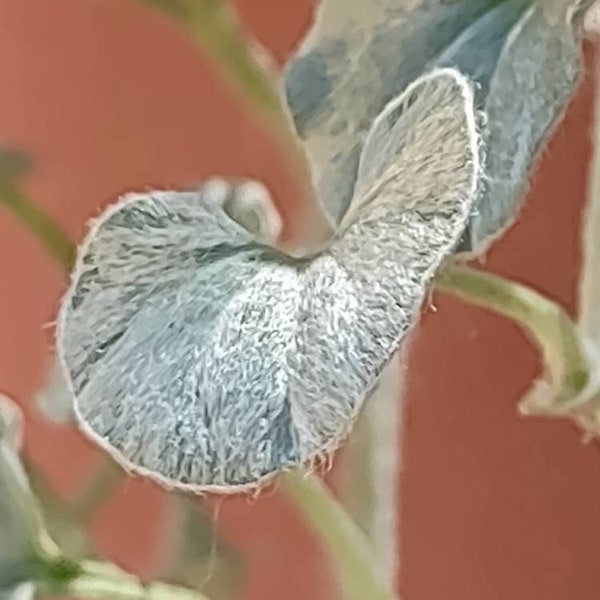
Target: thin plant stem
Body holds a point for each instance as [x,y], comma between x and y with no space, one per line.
[41,225]
[383,413]
[346,543]
[586,413]
[62,249]
[107,477]
[370,468]
[199,557]
[545,321]
[52,237]
[589,291]
[214,26]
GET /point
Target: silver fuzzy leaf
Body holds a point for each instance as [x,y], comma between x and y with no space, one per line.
[523,55]
[536,74]
[251,206]
[207,360]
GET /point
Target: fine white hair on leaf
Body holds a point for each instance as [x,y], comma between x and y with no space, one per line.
[210,361]
[524,57]
[535,77]
[360,55]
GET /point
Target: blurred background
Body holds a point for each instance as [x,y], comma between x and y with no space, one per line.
[108,96]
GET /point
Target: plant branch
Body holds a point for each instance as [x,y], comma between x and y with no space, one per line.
[214,26]
[370,468]
[42,226]
[546,322]
[60,247]
[589,291]
[348,547]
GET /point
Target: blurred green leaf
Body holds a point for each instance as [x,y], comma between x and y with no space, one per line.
[14,163]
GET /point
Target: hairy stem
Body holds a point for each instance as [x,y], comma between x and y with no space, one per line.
[589,291]
[384,416]
[348,547]
[370,468]
[197,555]
[546,322]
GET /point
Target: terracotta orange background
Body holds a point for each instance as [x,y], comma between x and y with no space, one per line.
[109,96]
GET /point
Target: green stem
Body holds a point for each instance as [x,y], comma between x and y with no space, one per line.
[60,247]
[214,26]
[369,468]
[43,227]
[201,558]
[346,543]
[103,481]
[60,522]
[543,319]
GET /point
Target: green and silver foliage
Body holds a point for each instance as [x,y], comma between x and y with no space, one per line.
[208,360]
[252,207]
[523,56]
[201,356]
[19,520]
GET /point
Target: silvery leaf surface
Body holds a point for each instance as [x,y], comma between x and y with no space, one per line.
[536,75]
[209,361]
[360,55]
[251,206]
[523,56]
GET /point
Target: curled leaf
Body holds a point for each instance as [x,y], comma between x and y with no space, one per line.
[207,360]
[250,206]
[359,56]
[523,55]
